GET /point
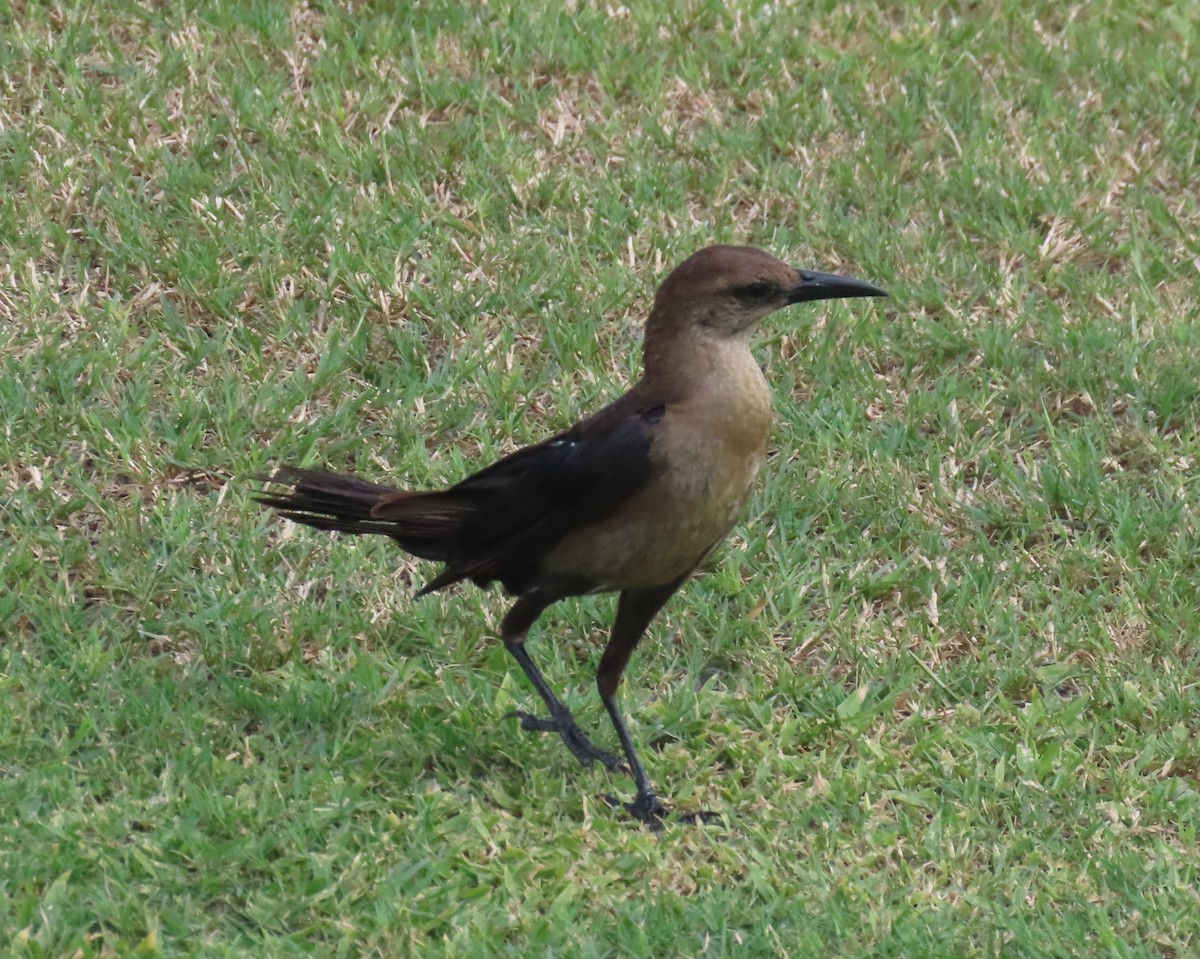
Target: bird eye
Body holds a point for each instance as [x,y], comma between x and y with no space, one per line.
[753,292]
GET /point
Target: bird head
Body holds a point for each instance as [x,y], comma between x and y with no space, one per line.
[723,291]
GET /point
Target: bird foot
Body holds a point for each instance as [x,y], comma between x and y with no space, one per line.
[573,737]
[650,811]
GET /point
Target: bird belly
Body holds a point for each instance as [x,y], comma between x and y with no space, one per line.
[704,458]
[664,531]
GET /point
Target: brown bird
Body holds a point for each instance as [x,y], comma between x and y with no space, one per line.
[629,500]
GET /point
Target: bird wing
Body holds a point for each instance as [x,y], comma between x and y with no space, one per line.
[505,516]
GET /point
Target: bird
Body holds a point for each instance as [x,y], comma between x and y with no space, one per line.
[631,499]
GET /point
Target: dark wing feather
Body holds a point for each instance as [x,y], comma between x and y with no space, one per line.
[513,510]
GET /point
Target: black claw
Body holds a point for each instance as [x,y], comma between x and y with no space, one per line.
[573,737]
[650,811]
[647,809]
[701,817]
[533,724]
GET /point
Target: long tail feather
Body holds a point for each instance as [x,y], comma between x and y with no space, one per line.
[425,527]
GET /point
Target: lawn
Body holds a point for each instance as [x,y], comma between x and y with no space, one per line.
[943,680]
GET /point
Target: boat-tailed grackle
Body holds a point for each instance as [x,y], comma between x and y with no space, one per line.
[629,500]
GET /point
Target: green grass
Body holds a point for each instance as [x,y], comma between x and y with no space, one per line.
[943,678]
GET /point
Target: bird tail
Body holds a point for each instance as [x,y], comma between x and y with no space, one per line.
[424,524]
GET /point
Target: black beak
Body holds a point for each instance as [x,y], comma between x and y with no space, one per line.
[829,286]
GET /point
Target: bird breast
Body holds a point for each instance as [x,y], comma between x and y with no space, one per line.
[705,455]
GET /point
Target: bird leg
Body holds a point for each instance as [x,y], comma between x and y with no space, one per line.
[513,630]
[561,721]
[646,806]
[635,609]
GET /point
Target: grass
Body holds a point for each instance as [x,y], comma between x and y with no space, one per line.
[942,678]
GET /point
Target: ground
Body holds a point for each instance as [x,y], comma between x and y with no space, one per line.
[942,679]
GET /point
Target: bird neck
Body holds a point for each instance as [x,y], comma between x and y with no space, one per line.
[693,357]
[716,379]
